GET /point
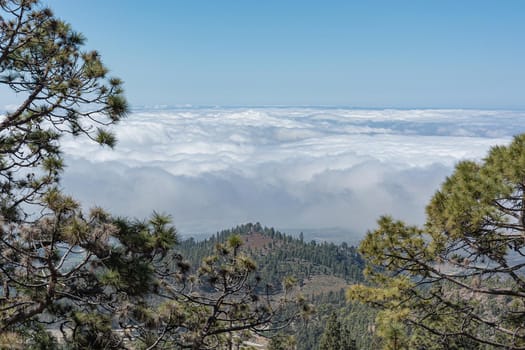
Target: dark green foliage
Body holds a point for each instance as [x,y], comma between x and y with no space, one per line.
[356,321]
[282,342]
[332,335]
[92,331]
[336,335]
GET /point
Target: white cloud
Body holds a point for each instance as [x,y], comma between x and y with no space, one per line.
[286,167]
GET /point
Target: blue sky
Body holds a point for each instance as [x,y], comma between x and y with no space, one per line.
[462,54]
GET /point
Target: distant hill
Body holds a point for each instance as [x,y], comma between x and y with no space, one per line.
[279,255]
[336,235]
[323,270]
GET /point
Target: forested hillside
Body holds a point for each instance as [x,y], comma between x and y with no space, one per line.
[279,255]
[322,270]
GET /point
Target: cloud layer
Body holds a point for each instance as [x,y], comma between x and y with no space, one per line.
[211,168]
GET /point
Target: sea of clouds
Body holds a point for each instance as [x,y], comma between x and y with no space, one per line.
[287,167]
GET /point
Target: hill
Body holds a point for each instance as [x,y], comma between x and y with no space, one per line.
[279,255]
[323,271]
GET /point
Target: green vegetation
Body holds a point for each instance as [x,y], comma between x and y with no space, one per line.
[457,282]
[316,267]
[336,336]
[279,255]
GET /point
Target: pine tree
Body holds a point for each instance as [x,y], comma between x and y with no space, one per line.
[347,342]
[49,248]
[282,342]
[458,280]
[331,338]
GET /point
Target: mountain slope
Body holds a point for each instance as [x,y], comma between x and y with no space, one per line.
[322,270]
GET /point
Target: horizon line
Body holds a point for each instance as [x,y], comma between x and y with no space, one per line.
[220,106]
